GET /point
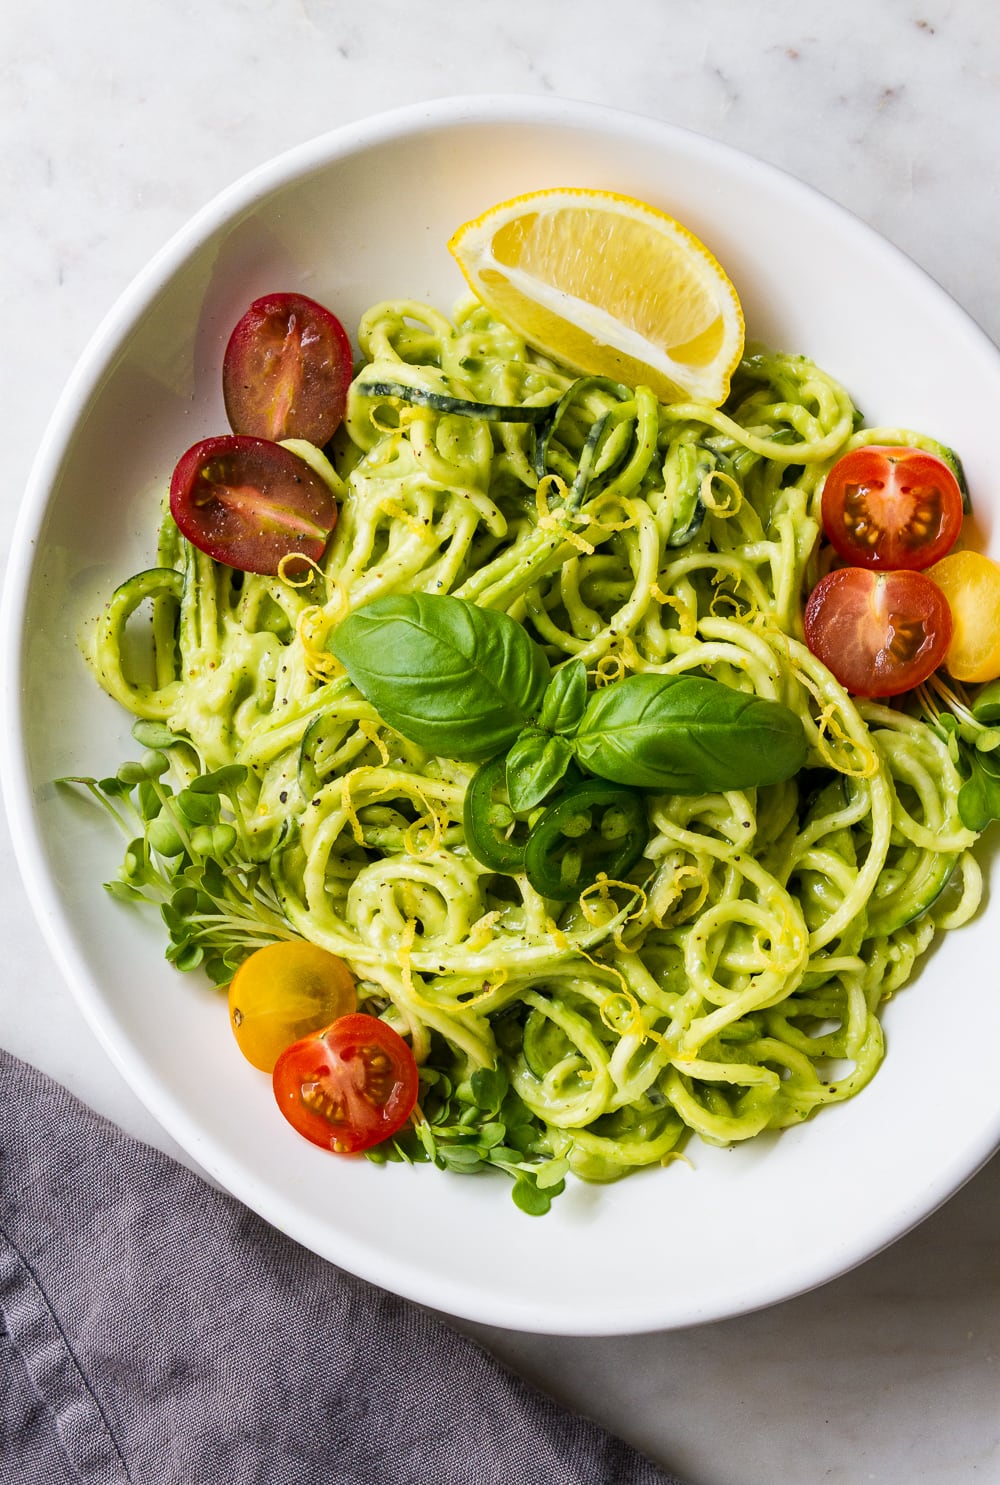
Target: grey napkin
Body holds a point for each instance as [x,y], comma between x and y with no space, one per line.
[155,1332]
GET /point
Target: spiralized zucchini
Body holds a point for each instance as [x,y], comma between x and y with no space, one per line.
[733,984]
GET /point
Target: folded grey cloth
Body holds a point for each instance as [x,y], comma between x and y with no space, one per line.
[153,1331]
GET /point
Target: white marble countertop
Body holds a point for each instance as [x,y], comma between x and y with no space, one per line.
[120,118]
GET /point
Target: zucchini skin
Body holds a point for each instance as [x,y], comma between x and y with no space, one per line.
[923,890]
[492,412]
[153,702]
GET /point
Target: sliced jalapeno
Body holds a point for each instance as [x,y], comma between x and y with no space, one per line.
[490,823]
[594,827]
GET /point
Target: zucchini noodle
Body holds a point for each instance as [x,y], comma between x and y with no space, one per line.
[733,983]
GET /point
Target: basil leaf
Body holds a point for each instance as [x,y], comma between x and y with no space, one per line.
[535,764]
[686,734]
[454,678]
[565,698]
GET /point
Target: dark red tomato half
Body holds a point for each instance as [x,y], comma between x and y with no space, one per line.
[250,503]
[286,370]
[880,633]
[348,1087]
[887,507]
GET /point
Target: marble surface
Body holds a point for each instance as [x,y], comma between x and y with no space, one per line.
[119,119]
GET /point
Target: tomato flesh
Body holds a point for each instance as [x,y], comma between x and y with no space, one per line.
[284,992]
[971,584]
[350,1086]
[886,507]
[251,504]
[287,370]
[879,633]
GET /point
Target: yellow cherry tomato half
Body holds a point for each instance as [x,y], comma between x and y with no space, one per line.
[971,584]
[283,993]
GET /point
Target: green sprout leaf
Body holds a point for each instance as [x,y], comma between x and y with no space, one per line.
[190,863]
[530,1197]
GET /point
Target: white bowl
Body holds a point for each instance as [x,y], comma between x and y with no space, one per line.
[357,216]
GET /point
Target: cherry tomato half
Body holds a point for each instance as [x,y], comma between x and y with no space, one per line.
[350,1086]
[286,370]
[886,507]
[971,584]
[880,633]
[251,503]
[284,992]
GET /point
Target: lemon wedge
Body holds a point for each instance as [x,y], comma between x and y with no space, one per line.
[607,285]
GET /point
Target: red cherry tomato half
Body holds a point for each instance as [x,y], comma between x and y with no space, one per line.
[880,633]
[891,507]
[286,370]
[250,503]
[348,1087]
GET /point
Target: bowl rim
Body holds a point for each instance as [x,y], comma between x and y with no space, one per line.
[83,383]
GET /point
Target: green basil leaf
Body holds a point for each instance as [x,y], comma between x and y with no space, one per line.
[565,698]
[454,678]
[535,764]
[686,734]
